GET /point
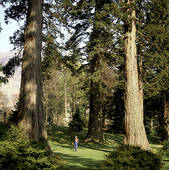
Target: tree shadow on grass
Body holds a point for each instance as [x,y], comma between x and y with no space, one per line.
[153,139]
[97,147]
[87,146]
[60,134]
[63,135]
[79,163]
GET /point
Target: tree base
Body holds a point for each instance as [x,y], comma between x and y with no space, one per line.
[95,139]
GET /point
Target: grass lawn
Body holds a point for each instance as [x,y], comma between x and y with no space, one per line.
[88,156]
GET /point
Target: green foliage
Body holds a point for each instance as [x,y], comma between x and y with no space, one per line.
[60,84]
[76,123]
[117,115]
[9,68]
[156,51]
[3,129]
[17,152]
[130,157]
[152,108]
[13,117]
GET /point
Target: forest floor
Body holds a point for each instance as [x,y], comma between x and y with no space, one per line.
[89,156]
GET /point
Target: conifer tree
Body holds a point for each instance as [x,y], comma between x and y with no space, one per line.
[134,126]
[156,57]
[91,22]
[31,115]
[95,127]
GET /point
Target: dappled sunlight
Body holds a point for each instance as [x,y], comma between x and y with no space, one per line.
[83,158]
[31,95]
[88,156]
[26,64]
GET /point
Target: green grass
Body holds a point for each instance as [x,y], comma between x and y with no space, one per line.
[89,156]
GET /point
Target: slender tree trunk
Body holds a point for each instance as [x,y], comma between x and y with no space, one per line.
[45,103]
[65,97]
[151,125]
[31,115]
[135,130]
[166,116]
[164,119]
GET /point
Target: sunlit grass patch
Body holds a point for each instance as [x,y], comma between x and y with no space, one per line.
[89,155]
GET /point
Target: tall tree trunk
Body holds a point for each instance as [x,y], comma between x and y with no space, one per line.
[31,115]
[95,126]
[134,126]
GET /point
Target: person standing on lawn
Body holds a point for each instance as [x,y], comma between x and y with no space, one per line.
[76,143]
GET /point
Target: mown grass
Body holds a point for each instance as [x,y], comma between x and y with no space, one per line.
[89,156]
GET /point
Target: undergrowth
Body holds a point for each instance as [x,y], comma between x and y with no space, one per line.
[18,152]
[127,157]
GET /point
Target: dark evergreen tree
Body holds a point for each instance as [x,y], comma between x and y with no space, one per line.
[76,124]
[155,54]
[92,38]
[118,124]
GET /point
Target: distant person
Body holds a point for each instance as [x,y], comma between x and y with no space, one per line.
[76,143]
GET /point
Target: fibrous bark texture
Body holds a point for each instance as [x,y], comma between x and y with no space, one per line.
[134,126]
[31,115]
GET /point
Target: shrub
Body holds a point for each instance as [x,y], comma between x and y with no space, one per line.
[129,157]
[76,124]
[17,152]
[13,117]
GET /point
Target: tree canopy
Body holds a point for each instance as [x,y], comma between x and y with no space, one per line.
[90,52]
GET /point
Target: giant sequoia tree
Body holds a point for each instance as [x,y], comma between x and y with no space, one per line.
[135,130]
[31,115]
